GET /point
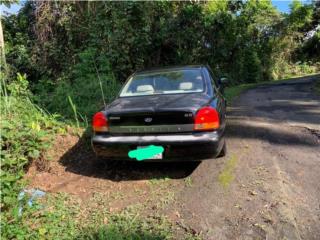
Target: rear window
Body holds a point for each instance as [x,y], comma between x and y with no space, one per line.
[164,82]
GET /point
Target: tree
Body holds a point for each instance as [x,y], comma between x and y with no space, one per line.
[7,3]
[3,57]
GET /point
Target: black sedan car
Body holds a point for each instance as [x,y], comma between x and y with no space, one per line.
[179,109]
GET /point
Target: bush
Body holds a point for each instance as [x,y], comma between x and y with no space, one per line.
[25,133]
[288,70]
[88,85]
[252,70]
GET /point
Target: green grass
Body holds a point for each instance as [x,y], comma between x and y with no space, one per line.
[226,177]
[188,181]
[232,92]
[26,132]
[62,216]
[158,181]
[125,225]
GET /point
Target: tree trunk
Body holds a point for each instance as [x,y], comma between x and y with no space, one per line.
[3,66]
[3,57]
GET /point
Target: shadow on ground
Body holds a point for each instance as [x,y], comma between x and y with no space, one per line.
[80,159]
[266,113]
[270,132]
[292,101]
[255,115]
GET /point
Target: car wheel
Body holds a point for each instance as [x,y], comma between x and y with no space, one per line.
[223,151]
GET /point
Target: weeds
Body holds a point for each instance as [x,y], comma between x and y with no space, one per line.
[157,181]
[26,132]
[90,84]
[74,109]
[289,70]
[226,176]
[188,181]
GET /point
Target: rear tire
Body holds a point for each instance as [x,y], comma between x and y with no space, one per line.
[223,151]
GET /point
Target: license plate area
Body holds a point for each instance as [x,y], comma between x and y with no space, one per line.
[156,156]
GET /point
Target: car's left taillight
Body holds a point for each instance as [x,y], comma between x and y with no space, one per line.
[206,119]
[100,122]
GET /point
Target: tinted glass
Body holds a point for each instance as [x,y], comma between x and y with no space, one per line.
[164,82]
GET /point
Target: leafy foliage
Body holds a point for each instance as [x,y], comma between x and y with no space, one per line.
[58,44]
[89,84]
[25,133]
[41,221]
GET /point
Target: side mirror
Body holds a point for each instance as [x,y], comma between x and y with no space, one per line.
[223,80]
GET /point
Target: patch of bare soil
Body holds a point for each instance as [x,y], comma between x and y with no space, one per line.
[73,168]
[70,149]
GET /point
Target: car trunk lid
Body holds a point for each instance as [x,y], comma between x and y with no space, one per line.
[154,114]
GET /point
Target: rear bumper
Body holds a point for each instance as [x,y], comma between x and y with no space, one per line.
[177,147]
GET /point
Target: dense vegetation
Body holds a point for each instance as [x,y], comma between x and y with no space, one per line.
[69,49]
[69,58]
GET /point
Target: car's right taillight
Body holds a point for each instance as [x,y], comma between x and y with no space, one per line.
[99,122]
[206,119]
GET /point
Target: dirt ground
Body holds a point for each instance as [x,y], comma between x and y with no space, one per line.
[266,187]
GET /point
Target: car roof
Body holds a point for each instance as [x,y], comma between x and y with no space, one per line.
[159,69]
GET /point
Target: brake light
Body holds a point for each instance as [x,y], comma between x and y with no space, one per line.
[207,118]
[99,122]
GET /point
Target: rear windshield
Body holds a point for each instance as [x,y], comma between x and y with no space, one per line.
[164,82]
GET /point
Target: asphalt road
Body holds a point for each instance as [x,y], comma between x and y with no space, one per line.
[268,185]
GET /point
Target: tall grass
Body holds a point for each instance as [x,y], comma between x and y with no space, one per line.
[90,85]
[74,109]
[100,82]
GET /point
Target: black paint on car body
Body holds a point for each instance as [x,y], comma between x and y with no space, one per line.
[159,106]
